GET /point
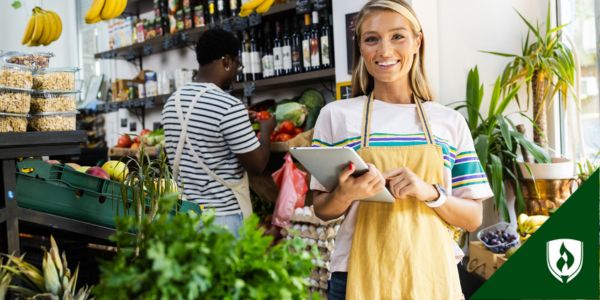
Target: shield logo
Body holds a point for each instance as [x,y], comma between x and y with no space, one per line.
[564,258]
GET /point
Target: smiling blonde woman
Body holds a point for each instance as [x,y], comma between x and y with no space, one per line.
[420,150]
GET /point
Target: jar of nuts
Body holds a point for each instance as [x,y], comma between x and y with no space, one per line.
[45,101]
[53,121]
[14,100]
[38,60]
[55,79]
[15,76]
[13,122]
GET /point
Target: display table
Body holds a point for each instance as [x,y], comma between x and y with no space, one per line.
[22,145]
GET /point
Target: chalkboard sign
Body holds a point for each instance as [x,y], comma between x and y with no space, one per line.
[302,7]
[254,19]
[239,23]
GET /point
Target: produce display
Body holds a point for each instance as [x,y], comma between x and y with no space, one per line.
[15,100]
[59,79]
[43,28]
[15,76]
[315,233]
[53,101]
[499,238]
[105,10]
[13,122]
[293,116]
[528,225]
[53,121]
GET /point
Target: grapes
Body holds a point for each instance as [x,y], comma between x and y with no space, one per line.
[498,240]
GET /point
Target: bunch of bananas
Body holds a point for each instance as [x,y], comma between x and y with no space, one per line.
[261,6]
[55,281]
[527,225]
[43,28]
[105,10]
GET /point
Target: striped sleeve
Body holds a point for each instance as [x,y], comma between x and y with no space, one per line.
[237,130]
[468,176]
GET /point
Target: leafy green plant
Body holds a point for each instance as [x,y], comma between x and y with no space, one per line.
[186,256]
[587,167]
[497,140]
[54,281]
[546,68]
[5,277]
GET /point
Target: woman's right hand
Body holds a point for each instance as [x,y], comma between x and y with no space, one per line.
[360,187]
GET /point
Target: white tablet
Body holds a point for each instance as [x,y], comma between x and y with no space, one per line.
[326,163]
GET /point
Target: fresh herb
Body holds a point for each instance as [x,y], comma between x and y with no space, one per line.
[187,256]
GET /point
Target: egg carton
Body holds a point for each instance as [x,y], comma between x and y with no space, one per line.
[307,215]
[310,231]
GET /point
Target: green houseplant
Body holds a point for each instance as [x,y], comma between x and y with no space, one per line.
[497,140]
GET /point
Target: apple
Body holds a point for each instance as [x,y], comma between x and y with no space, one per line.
[124,141]
[73,166]
[117,170]
[97,172]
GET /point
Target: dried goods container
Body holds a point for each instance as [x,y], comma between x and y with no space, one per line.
[14,100]
[10,122]
[53,121]
[55,79]
[47,101]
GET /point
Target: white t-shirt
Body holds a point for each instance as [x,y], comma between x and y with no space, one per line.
[397,125]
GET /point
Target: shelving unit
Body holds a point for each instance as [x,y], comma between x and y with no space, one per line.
[15,145]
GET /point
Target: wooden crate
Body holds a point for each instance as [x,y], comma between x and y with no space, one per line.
[482,261]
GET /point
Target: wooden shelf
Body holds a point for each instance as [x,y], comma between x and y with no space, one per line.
[288,80]
[169,42]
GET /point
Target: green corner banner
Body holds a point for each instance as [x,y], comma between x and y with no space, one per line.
[560,261]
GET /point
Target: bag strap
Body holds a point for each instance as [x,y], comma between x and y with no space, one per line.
[184,138]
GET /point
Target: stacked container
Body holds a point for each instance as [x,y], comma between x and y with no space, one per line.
[53,100]
[16,82]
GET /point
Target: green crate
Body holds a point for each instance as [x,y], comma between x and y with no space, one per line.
[49,188]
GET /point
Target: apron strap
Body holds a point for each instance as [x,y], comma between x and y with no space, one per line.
[184,138]
[366,122]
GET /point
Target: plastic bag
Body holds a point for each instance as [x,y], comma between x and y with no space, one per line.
[292,191]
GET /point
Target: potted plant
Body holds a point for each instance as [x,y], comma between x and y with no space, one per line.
[545,69]
[497,141]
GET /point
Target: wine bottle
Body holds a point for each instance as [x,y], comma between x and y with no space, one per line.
[286,49]
[277,51]
[315,50]
[246,60]
[267,54]
[306,63]
[233,8]
[255,60]
[326,42]
[296,50]
[212,21]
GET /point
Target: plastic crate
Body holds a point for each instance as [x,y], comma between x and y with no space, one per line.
[501,247]
[64,192]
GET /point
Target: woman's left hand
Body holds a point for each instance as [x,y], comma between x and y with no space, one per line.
[402,183]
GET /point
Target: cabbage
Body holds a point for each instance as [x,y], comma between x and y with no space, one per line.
[291,111]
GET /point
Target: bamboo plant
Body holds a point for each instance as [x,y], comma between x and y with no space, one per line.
[545,68]
[497,140]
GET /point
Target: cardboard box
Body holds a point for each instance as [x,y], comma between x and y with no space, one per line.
[482,261]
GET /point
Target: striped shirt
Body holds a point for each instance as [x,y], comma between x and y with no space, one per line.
[219,128]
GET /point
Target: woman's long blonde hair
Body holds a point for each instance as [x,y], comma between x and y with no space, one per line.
[362,81]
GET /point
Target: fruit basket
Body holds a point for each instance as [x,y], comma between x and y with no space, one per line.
[499,237]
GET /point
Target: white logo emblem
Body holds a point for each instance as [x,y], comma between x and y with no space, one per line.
[564,258]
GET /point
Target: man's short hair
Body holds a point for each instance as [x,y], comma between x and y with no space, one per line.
[214,44]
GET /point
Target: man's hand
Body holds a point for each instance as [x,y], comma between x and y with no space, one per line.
[402,183]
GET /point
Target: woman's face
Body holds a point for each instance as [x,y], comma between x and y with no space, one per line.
[388,45]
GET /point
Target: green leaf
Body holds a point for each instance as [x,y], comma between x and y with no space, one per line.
[538,153]
[16,4]
[505,132]
[481,147]
[497,184]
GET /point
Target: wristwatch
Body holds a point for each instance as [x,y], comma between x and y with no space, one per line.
[441,199]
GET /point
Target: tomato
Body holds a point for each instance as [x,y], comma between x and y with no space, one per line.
[298,130]
[263,115]
[145,131]
[124,141]
[283,137]
[286,127]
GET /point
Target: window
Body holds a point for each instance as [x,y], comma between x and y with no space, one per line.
[583,17]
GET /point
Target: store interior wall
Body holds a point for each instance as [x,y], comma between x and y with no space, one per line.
[14,21]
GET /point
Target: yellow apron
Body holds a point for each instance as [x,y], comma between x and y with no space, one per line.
[402,250]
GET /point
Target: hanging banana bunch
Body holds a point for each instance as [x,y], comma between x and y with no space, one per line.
[105,10]
[43,28]
[261,7]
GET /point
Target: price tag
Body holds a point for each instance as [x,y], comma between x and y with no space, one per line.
[254,19]
[129,56]
[238,23]
[249,88]
[167,43]
[227,25]
[319,4]
[148,49]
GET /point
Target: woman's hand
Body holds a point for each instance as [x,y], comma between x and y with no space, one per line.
[402,183]
[360,187]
